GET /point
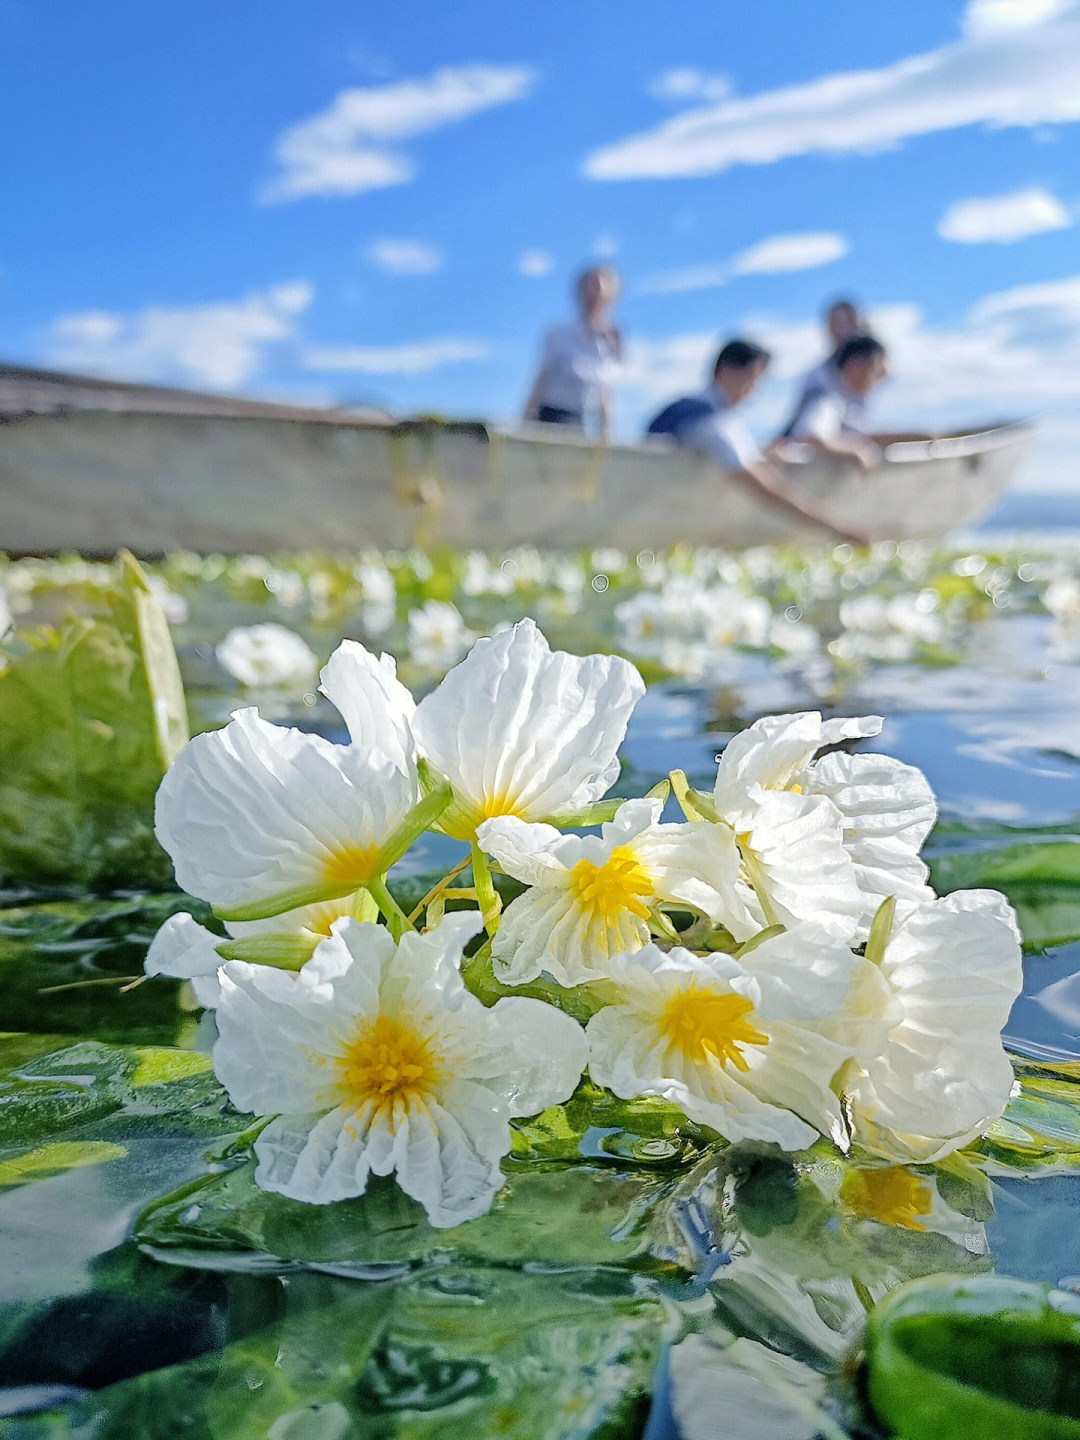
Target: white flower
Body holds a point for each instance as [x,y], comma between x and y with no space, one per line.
[865,816]
[736,1049]
[438,635]
[589,896]
[519,729]
[186,950]
[377,1060]
[259,819]
[941,1076]
[267,655]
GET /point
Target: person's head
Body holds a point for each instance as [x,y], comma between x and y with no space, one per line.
[739,367]
[842,320]
[861,363]
[596,290]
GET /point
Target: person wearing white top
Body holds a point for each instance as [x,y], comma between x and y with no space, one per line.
[708,424]
[830,413]
[579,361]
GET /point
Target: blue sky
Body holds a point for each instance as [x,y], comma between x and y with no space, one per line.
[345,202]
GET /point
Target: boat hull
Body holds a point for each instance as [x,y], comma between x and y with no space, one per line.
[94,481]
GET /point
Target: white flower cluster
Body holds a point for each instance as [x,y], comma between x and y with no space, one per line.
[775,964]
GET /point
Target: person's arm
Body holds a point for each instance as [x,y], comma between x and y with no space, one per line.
[846,445]
[821,427]
[761,479]
[732,447]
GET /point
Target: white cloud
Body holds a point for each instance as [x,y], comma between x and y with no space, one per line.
[686,83]
[220,345]
[776,255]
[535,264]
[605,246]
[790,252]
[995,17]
[405,257]
[417,358]
[350,147]
[1003,217]
[1016,76]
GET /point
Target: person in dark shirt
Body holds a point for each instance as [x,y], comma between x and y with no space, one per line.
[708,424]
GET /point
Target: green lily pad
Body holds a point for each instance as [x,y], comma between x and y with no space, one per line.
[949,1358]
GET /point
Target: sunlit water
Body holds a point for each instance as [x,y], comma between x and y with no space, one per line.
[150,1291]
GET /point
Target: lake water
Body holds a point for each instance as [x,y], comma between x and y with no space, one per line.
[149,1291]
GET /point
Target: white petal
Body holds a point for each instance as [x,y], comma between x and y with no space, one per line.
[888,810]
[256,816]
[533,1055]
[376,707]
[698,865]
[954,969]
[449,1161]
[799,865]
[767,753]
[317,1158]
[527,850]
[803,974]
[183,948]
[518,729]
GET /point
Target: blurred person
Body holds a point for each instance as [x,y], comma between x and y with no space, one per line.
[578,359]
[830,411]
[708,423]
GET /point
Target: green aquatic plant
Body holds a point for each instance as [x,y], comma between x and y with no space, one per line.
[92,714]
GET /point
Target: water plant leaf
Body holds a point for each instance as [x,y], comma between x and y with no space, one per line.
[91,713]
[55,1158]
[950,1357]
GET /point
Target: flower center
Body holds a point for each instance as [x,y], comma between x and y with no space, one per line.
[386,1062]
[613,887]
[351,865]
[706,1025]
[892,1196]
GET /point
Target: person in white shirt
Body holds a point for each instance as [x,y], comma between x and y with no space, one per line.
[579,361]
[708,424]
[830,412]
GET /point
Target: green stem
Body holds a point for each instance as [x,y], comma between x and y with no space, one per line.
[486,894]
[396,919]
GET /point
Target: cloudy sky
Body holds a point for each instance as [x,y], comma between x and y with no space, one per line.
[371,203]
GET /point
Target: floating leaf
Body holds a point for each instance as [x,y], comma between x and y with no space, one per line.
[949,1358]
[54,1159]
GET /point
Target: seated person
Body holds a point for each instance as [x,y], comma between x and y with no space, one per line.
[830,412]
[707,423]
[571,385]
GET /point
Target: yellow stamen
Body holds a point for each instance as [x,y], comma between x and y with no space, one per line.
[610,889]
[891,1195]
[495,805]
[386,1062]
[705,1024]
[351,865]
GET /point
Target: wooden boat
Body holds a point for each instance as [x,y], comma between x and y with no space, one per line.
[93,465]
